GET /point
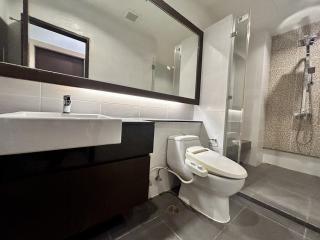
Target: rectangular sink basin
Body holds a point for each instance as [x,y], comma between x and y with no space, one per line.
[25,132]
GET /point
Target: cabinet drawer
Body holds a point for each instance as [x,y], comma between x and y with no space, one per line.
[58,205]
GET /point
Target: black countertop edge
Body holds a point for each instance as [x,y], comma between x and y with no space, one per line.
[145,120]
[173,120]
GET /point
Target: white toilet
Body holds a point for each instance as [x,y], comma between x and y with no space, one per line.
[215,177]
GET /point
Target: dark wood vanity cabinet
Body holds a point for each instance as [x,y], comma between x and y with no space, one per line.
[59,201]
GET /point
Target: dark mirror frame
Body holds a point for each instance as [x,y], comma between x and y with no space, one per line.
[25,73]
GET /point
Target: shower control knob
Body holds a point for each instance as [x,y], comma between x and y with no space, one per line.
[311,70]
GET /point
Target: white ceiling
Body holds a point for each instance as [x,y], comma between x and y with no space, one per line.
[150,22]
[275,16]
[272,15]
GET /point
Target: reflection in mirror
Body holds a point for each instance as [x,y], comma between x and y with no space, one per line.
[133,43]
[57,50]
[10,31]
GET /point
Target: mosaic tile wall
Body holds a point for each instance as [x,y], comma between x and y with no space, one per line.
[282,131]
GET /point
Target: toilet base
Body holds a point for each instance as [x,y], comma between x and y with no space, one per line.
[206,202]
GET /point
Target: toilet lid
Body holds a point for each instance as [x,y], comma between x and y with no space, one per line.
[216,163]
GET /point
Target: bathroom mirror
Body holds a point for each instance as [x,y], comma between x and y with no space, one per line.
[138,47]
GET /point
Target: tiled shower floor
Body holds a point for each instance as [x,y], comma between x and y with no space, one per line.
[167,218]
[294,193]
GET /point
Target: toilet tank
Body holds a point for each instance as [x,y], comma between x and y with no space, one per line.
[176,153]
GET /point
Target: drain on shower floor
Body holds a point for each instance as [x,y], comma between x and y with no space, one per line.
[173,210]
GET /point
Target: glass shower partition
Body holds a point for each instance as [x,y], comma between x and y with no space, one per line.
[241,35]
[165,78]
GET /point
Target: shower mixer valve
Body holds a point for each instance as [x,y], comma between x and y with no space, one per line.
[311,70]
[303,115]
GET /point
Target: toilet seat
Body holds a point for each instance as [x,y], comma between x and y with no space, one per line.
[215,163]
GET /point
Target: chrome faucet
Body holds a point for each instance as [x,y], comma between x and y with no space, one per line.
[66,104]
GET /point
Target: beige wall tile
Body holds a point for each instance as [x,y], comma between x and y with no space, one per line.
[282,131]
[86,107]
[153,113]
[278,139]
[81,94]
[51,104]
[284,59]
[12,86]
[285,41]
[56,105]
[180,111]
[15,103]
[120,110]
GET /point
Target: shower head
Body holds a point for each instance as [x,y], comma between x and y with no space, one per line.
[309,40]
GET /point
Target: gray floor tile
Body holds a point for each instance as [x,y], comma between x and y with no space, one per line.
[138,216]
[293,181]
[155,230]
[255,173]
[146,212]
[235,206]
[289,202]
[312,235]
[167,218]
[190,225]
[292,192]
[314,212]
[287,223]
[253,188]
[299,183]
[165,201]
[317,192]
[251,226]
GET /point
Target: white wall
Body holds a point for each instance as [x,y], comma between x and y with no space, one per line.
[188,67]
[3,10]
[56,39]
[3,29]
[14,9]
[118,54]
[193,11]
[215,74]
